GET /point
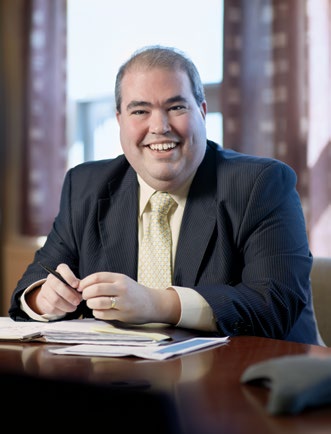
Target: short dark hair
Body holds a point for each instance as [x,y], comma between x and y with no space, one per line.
[161,57]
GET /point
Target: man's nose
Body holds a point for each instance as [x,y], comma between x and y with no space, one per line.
[159,122]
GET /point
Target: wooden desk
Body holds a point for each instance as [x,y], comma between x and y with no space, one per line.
[202,389]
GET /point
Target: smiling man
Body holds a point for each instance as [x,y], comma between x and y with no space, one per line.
[239,255]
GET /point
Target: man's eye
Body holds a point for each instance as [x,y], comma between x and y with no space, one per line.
[138,112]
[177,107]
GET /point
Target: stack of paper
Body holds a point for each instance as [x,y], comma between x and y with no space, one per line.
[89,331]
[100,338]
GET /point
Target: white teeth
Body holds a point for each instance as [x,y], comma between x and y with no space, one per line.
[162,146]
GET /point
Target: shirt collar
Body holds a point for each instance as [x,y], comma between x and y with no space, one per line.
[146,192]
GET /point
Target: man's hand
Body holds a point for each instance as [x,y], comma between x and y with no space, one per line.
[55,297]
[114,296]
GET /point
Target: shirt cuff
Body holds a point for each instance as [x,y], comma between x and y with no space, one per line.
[33,315]
[195,311]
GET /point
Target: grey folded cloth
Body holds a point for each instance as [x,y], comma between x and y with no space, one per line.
[295,382]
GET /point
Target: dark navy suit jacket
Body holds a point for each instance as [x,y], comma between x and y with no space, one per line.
[242,245]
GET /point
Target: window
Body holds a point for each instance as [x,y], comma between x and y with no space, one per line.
[102,35]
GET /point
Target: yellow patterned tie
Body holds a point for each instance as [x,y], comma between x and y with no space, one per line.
[155,251]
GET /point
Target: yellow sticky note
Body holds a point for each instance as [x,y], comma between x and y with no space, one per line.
[109,328]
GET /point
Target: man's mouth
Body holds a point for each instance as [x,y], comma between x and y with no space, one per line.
[162,146]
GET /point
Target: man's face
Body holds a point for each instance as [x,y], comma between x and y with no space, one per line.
[162,129]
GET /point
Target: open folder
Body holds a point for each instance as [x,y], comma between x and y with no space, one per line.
[78,331]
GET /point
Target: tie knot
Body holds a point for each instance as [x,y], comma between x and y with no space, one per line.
[161,202]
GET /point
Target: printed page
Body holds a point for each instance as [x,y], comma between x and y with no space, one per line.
[148,352]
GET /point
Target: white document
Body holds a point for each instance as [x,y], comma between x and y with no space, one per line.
[160,352]
[88,330]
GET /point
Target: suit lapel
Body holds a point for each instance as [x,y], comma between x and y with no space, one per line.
[118,225]
[198,223]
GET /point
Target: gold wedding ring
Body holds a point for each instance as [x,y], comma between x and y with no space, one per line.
[112,302]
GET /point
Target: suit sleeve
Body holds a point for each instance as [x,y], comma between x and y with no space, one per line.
[60,246]
[270,287]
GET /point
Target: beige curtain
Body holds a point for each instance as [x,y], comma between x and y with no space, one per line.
[269,100]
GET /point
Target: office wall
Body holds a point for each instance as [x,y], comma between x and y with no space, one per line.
[2,135]
[16,251]
[16,257]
